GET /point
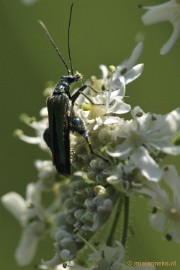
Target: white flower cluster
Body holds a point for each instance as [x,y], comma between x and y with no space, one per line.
[91,199]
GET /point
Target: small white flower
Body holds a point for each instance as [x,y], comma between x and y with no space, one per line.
[122,178]
[38,126]
[108,256]
[168,11]
[106,102]
[30,216]
[165,216]
[111,258]
[45,169]
[144,135]
[128,69]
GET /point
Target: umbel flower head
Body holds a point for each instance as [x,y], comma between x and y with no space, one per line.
[84,212]
[168,11]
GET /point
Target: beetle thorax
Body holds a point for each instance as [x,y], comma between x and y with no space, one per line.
[63,85]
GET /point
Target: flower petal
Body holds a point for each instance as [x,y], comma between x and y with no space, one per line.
[134,73]
[159,13]
[131,61]
[172,179]
[171,41]
[27,247]
[149,168]
[157,221]
[15,204]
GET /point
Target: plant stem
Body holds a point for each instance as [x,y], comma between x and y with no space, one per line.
[126,221]
[115,222]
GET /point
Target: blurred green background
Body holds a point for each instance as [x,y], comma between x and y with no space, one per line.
[102,32]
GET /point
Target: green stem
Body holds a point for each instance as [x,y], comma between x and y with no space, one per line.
[115,222]
[126,221]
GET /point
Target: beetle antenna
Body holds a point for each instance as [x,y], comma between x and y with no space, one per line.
[54,45]
[69,28]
